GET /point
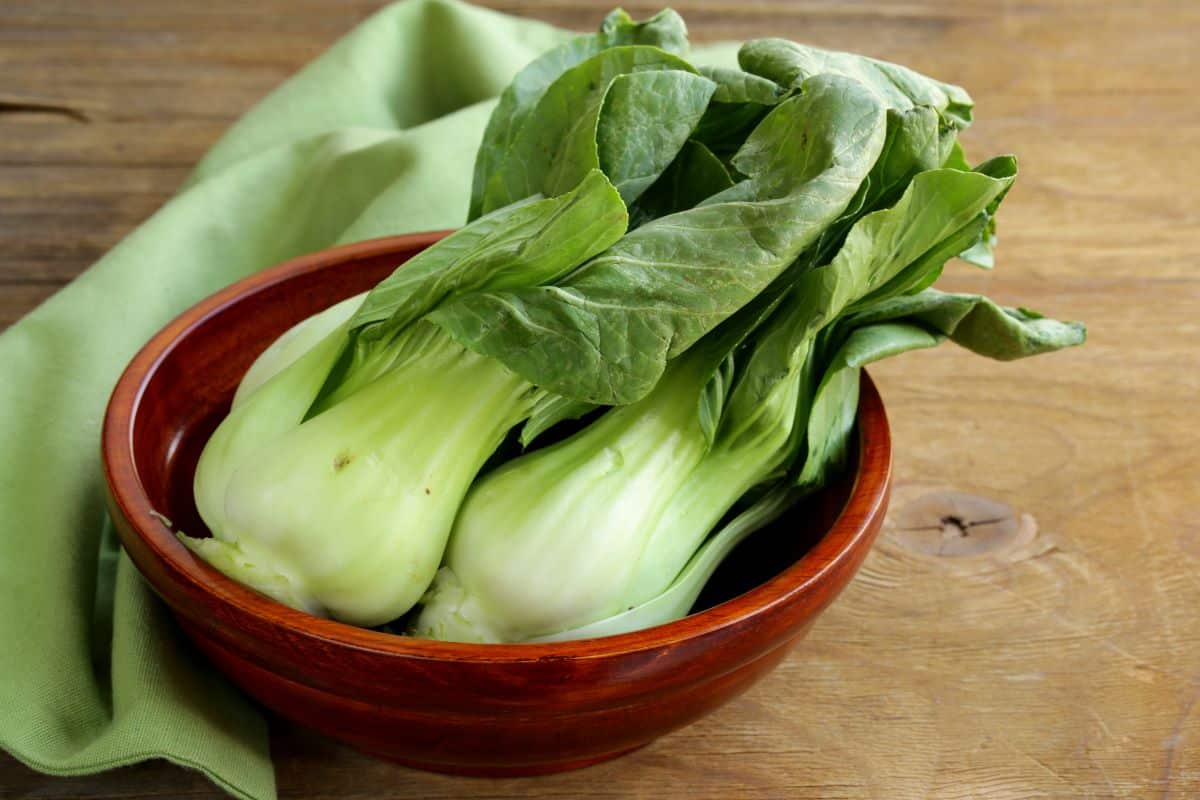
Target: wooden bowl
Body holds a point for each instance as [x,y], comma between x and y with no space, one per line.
[461,708]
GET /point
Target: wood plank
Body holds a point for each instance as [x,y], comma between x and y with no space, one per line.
[1062,662]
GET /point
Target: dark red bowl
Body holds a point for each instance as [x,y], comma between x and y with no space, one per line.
[474,709]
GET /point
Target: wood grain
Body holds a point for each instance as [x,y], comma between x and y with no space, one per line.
[1066,667]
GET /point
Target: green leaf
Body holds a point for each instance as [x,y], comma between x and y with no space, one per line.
[605,333]
[912,146]
[908,323]
[694,176]
[790,64]
[561,138]
[665,31]
[736,86]
[922,273]
[882,256]
[956,158]
[881,250]
[738,105]
[1002,168]
[832,413]
[524,244]
[982,252]
[725,126]
[645,120]
[712,398]
[976,323]
[835,404]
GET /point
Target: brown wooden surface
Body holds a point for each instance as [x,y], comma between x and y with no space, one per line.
[1064,661]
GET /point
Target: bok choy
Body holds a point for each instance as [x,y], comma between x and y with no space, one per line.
[705,258]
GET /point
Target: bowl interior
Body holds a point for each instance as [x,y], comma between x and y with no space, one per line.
[190,385]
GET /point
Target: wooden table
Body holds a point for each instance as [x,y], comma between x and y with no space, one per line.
[1055,653]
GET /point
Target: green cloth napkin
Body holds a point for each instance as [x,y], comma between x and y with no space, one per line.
[375,137]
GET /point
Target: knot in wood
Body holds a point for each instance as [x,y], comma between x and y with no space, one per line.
[955,525]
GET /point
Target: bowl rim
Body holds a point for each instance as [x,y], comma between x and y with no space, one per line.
[850,531]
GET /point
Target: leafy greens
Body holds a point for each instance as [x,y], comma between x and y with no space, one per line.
[702,259]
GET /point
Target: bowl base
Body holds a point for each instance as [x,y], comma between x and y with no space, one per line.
[524,771]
